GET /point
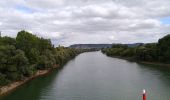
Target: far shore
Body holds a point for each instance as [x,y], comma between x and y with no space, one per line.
[12,86]
[143,62]
[155,63]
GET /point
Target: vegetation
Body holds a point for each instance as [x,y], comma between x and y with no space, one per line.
[151,52]
[23,56]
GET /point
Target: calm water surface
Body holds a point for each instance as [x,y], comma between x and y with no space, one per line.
[94,76]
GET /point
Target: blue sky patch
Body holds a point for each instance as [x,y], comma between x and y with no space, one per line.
[165,20]
[24,9]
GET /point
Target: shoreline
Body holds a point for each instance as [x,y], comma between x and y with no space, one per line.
[14,85]
[142,62]
[154,63]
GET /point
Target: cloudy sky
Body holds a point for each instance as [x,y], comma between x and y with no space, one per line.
[68,22]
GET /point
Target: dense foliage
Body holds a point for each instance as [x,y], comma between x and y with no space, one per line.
[23,56]
[152,52]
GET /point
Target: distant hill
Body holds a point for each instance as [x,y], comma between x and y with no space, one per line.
[90,46]
[99,46]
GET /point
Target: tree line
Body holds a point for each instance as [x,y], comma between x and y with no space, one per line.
[151,52]
[22,56]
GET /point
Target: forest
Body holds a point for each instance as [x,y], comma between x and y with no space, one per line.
[149,52]
[22,56]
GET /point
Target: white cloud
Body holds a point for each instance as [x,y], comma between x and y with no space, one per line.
[112,37]
[86,21]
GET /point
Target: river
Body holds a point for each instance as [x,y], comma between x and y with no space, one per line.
[94,76]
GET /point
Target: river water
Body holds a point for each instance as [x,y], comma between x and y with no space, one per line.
[94,76]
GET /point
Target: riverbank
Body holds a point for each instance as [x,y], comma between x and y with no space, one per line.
[12,86]
[142,62]
[154,63]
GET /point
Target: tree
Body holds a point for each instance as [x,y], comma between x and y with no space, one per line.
[7,41]
[34,53]
[3,80]
[23,56]
[14,63]
[26,41]
[163,46]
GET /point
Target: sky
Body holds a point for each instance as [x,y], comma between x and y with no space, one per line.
[68,22]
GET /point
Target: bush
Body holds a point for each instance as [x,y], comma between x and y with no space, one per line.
[3,80]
